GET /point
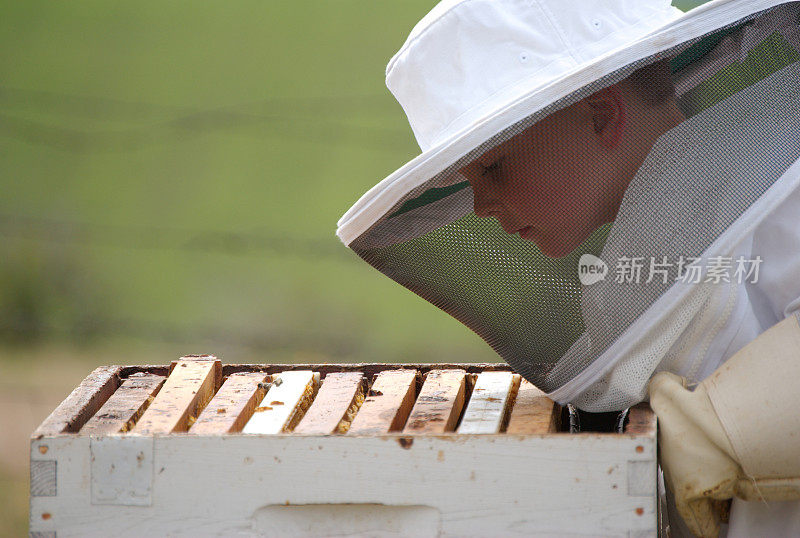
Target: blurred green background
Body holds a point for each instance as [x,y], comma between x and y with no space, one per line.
[172,174]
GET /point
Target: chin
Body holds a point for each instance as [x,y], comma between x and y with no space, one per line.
[555,249]
[551,246]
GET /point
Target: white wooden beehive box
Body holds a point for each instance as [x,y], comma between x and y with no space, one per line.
[199,448]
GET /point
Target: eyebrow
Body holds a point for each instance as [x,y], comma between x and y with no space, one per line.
[492,167]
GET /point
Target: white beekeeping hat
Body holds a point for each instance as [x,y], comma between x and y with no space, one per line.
[474,75]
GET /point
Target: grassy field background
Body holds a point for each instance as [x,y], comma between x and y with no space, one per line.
[172,174]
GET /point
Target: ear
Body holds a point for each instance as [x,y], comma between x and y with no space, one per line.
[608,110]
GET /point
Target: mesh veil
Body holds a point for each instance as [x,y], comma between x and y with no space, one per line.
[700,184]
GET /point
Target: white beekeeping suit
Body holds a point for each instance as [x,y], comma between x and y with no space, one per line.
[743,313]
[712,206]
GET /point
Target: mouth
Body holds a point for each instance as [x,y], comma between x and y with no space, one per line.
[526,233]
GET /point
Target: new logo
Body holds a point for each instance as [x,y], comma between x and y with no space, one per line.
[591,269]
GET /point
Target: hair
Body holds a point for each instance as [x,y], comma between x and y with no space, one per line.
[653,82]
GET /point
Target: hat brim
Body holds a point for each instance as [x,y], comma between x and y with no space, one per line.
[669,40]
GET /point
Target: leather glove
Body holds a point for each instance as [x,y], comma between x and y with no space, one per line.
[737,433]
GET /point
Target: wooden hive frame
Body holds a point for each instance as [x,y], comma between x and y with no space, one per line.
[201,448]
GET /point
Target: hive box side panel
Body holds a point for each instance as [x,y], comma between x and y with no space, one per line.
[274,485]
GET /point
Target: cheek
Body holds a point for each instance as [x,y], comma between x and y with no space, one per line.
[555,194]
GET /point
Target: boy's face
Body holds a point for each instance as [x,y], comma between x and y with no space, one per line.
[552,183]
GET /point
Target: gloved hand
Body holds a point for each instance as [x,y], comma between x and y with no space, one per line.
[737,433]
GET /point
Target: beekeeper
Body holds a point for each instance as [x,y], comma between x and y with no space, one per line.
[608,194]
